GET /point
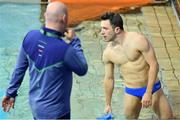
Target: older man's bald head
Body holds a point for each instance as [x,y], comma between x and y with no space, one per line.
[57,8]
[54,11]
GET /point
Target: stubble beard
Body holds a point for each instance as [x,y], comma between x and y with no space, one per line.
[111,38]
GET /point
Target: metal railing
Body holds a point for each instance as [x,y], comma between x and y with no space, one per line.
[176,8]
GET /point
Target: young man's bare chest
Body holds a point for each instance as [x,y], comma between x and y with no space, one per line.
[121,54]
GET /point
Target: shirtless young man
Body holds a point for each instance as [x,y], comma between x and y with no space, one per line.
[135,56]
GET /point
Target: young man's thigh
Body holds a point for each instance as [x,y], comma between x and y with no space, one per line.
[132,106]
[161,104]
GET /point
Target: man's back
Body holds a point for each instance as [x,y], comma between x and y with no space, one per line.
[51,62]
[50,80]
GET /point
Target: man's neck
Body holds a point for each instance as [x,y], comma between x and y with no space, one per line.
[120,38]
[54,27]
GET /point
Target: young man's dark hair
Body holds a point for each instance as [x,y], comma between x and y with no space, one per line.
[114,18]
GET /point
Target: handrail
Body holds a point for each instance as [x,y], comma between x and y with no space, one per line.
[176,12]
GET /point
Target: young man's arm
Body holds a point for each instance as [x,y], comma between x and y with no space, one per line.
[108,83]
[150,57]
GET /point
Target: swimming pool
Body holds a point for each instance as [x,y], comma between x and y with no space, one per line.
[15,21]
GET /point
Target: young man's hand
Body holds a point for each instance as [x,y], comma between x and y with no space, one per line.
[146,100]
[108,109]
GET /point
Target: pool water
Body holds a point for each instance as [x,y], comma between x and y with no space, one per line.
[15,21]
[87,100]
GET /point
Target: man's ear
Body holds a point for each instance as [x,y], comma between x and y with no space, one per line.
[117,30]
[64,18]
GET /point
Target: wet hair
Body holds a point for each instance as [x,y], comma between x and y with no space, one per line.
[114,18]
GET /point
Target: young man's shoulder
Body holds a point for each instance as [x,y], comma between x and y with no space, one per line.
[105,55]
[137,37]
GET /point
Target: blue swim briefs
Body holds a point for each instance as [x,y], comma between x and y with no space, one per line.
[139,92]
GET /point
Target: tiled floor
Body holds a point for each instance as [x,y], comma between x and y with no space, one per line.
[165,36]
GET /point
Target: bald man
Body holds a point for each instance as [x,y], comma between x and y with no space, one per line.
[51,62]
